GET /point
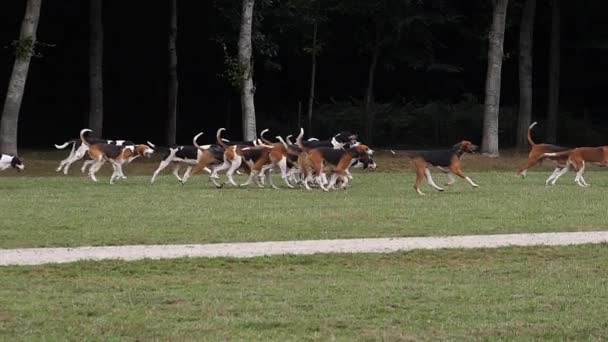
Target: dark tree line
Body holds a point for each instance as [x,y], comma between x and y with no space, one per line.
[390,35]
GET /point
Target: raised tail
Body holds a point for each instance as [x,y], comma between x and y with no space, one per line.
[264,140]
[530,133]
[204,147]
[280,139]
[83,138]
[219,139]
[299,138]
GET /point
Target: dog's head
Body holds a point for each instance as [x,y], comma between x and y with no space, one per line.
[144,150]
[17,164]
[362,150]
[466,146]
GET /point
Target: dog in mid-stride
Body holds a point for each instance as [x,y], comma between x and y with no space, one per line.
[540,152]
[447,161]
[7,160]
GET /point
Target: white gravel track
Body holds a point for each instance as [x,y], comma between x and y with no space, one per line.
[38,256]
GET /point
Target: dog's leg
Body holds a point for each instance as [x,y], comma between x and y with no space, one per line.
[348,174]
[93,170]
[419,167]
[283,167]
[163,164]
[533,159]
[332,181]
[116,174]
[267,169]
[553,175]
[86,164]
[429,179]
[345,179]
[579,175]
[252,174]
[224,166]
[560,173]
[451,179]
[71,155]
[79,154]
[187,174]
[175,171]
[234,166]
[455,168]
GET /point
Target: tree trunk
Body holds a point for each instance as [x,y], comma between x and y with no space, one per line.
[526,39]
[245,63]
[313,74]
[16,86]
[96,68]
[369,93]
[489,144]
[554,66]
[173,83]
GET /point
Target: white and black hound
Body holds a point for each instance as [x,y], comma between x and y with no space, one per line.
[79,150]
[7,160]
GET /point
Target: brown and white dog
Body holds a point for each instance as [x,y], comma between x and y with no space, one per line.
[339,160]
[236,156]
[538,154]
[577,159]
[7,160]
[207,155]
[116,155]
[79,150]
[447,161]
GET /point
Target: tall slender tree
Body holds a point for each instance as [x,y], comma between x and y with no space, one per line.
[369,92]
[313,75]
[489,144]
[554,68]
[526,39]
[96,67]
[173,82]
[246,71]
[14,96]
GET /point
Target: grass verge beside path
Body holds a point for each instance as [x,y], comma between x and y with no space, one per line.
[529,293]
[72,211]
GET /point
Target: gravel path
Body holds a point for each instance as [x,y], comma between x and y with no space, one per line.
[37,256]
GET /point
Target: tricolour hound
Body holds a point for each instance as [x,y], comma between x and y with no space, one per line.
[79,150]
[447,161]
[116,155]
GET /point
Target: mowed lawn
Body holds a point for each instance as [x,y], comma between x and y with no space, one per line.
[40,208]
[510,293]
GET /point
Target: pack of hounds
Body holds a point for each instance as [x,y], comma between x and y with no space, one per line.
[311,163]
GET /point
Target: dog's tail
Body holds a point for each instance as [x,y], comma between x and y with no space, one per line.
[530,133]
[66,144]
[299,138]
[288,139]
[218,136]
[264,140]
[203,147]
[83,138]
[280,139]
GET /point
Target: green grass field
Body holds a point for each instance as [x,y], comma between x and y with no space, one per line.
[43,209]
[509,293]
